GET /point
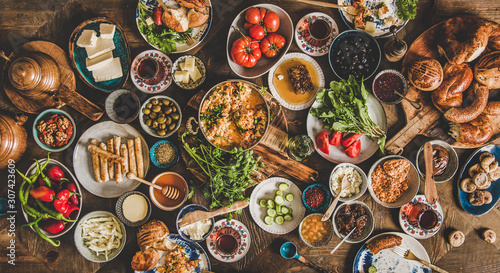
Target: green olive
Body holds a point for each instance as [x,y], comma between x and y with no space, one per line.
[168,110]
[166,102]
[156,108]
[153,115]
[149,105]
[154,125]
[169,120]
[175,116]
[161,120]
[155,101]
[146,111]
[149,122]
[161,132]
[174,110]
[171,126]
[161,115]
[162,126]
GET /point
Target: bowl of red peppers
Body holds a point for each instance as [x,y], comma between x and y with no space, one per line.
[51,199]
[54,130]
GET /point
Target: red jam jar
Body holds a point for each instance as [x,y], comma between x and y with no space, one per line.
[385,83]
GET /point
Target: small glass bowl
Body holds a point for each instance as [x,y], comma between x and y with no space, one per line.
[403,92]
[317,244]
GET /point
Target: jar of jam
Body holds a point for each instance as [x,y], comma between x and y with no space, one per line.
[385,83]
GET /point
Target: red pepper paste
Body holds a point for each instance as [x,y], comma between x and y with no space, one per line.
[315,197]
[385,85]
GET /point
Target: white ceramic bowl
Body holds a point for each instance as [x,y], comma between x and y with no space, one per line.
[184,198]
[152,132]
[362,187]
[191,84]
[370,225]
[450,170]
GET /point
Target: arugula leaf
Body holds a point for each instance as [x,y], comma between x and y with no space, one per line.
[407,9]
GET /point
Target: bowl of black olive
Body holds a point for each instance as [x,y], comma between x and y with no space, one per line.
[160,116]
[354,52]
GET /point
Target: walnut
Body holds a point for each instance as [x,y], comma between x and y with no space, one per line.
[63,122]
[48,139]
[61,136]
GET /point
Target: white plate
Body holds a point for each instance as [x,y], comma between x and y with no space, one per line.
[380,30]
[368,146]
[82,160]
[163,60]
[242,249]
[321,81]
[388,261]
[266,189]
[415,231]
[198,33]
[303,26]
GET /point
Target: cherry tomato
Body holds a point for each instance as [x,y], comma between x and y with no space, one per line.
[335,138]
[354,149]
[253,16]
[245,52]
[350,139]
[272,44]
[271,21]
[257,32]
[322,142]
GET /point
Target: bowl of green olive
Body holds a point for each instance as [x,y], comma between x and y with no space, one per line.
[160,116]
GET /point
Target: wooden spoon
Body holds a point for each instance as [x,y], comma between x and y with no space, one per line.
[349,9]
[199,215]
[430,187]
[330,209]
[169,191]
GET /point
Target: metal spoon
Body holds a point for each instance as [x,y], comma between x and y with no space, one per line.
[343,240]
[330,209]
[413,103]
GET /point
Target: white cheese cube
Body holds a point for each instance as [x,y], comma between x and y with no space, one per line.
[88,38]
[370,27]
[185,76]
[195,75]
[107,31]
[182,66]
[178,76]
[102,46]
[99,61]
[189,64]
[110,71]
[149,21]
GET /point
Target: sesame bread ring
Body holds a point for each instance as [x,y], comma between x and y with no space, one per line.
[489,164]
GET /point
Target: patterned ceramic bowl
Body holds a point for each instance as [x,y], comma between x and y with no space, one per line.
[191,84]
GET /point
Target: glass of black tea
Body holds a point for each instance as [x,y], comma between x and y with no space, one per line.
[320,29]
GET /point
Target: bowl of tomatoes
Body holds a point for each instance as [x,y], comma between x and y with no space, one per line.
[258,38]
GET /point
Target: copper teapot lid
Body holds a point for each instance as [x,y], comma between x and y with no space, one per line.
[24,73]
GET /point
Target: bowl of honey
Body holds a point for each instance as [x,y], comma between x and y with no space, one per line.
[169,179]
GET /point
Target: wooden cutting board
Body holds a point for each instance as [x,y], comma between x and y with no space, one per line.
[272,147]
[429,121]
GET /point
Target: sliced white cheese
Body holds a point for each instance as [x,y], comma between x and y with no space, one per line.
[178,76]
[189,64]
[99,61]
[370,27]
[182,66]
[149,21]
[185,76]
[88,38]
[102,46]
[110,71]
[107,31]
[195,75]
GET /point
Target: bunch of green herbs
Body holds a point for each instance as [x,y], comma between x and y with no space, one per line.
[344,110]
[407,9]
[162,37]
[229,173]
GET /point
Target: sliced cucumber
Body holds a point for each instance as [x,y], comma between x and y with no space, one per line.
[268,220]
[285,210]
[372,269]
[278,210]
[283,187]
[263,203]
[289,197]
[288,217]
[279,200]
[270,203]
[271,212]
[279,220]
[280,193]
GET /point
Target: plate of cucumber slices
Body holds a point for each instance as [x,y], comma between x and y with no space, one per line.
[276,206]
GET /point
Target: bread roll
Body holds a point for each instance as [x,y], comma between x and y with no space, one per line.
[150,233]
[477,131]
[131,157]
[487,70]
[196,18]
[96,163]
[474,104]
[104,163]
[145,260]
[176,19]
[457,79]
[111,166]
[139,158]
[198,5]
[124,153]
[426,74]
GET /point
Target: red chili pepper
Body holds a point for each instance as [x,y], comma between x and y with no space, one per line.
[335,138]
[69,208]
[52,226]
[74,197]
[353,150]
[43,193]
[55,173]
[61,203]
[157,12]
[63,195]
[350,139]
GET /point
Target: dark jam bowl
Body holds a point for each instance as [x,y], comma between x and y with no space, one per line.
[354,52]
[385,82]
[326,195]
[122,106]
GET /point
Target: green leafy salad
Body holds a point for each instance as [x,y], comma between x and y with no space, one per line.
[162,37]
[344,110]
[407,9]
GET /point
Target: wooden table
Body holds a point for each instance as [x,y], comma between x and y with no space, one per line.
[21,20]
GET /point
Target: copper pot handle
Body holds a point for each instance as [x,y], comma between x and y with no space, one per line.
[2,54]
[78,102]
[21,118]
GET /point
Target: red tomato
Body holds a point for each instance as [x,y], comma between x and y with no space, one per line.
[247,26]
[253,15]
[257,32]
[271,21]
[272,44]
[322,142]
[245,52]
[354,149]
[335,138]
[350,139]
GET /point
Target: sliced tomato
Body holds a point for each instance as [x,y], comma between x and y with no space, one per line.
[322,142]
[350,139]
[335,138]
[353,150]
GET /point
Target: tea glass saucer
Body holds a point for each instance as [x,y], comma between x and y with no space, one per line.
[417,232]
[244,241]
[309,45]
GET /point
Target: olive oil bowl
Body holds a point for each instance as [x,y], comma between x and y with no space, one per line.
[160,116]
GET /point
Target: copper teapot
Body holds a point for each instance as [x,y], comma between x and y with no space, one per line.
[13,139]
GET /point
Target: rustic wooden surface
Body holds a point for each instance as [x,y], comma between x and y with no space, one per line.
[54,20]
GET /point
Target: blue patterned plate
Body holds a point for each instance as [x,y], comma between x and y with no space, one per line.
[191,84]
[388,261]
[381,31]
[494,188]
[193,251]
[79,54]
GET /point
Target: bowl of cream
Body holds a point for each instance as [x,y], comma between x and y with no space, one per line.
[133,208]
[197,231]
